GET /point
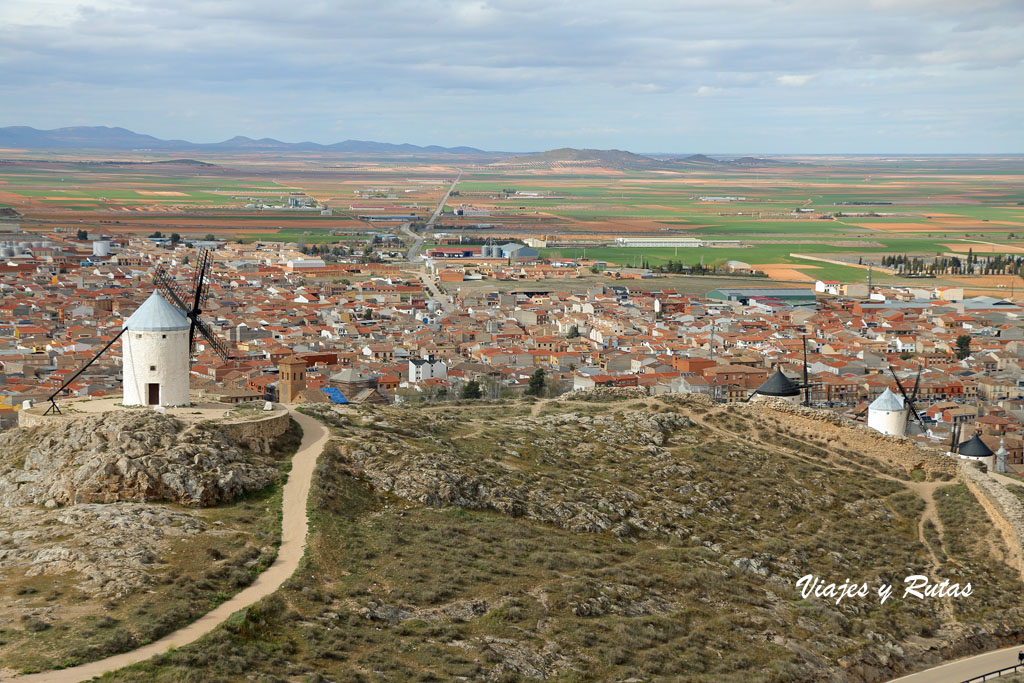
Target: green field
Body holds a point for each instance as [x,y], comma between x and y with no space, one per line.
[760,254]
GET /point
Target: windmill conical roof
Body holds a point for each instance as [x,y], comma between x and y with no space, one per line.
[887,401]
[156,315]
[974,448]
[779,385]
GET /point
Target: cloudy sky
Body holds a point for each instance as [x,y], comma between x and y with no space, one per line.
[759,76]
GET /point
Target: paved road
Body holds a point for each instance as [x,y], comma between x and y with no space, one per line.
[294,527]
[417,238]
[421,268]
[964,669]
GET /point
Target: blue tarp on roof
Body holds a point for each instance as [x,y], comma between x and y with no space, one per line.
[335,395]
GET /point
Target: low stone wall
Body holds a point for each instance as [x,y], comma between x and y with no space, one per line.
[1004,509]
[34,416]
[258,434]
[604,394]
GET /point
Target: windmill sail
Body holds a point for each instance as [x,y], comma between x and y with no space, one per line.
[192,302]
[908,401]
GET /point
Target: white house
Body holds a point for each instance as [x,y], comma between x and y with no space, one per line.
[426,368]
[827,287]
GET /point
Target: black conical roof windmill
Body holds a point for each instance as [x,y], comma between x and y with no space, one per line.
[191,303]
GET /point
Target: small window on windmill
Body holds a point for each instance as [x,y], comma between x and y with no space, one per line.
[163,336]
[138,336]
[152,368]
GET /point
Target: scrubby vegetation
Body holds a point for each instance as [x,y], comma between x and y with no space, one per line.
[596,541]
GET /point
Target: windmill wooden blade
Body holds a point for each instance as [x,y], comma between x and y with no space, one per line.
[906,399]
[169,287]
[215,343]
[200,281]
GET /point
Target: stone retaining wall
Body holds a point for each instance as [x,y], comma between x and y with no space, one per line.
[33,417]
[604,394]
[257,435]
[1004,509]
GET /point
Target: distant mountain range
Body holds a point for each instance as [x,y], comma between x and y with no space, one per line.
[122,139]
[103,137]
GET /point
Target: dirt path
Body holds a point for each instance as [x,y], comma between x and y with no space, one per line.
[294,527]
[926,490]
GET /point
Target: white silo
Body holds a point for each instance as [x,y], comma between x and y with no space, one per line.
[101,248]
[155,351]
[888,415]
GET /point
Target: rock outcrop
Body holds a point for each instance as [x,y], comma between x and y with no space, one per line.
[112,549]
[128,455]
[575,501]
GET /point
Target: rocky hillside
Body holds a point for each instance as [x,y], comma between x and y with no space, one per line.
[95,560]
[628,538]
[139,456]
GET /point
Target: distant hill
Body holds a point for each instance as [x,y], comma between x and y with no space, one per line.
[106,138]
[619,159]
[704,160]
[605,158]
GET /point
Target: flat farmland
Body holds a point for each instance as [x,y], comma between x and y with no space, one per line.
[243,196]
[771,216]
[797,198]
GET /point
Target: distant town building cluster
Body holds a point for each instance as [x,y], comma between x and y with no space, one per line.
[359,330]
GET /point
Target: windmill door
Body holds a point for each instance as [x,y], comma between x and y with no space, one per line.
[153,394]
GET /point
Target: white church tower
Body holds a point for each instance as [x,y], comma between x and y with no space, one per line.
[888,415]
[155,351]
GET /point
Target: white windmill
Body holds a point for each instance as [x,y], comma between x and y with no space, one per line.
[159,340]
[888,415]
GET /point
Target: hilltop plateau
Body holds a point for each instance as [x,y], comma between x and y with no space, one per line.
[607,535]
[118,527]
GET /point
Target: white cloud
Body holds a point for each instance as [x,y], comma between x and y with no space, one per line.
[795,80]
[494,69]
[707,91]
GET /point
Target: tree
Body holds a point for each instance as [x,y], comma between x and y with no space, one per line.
[82,234]
[157,234]
[175,238]
[574,332]
[536,387]
[209,237]
[963,346]
[471,389]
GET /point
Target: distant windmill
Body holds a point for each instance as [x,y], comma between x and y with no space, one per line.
[781,386]
[158,352]
[909,400]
